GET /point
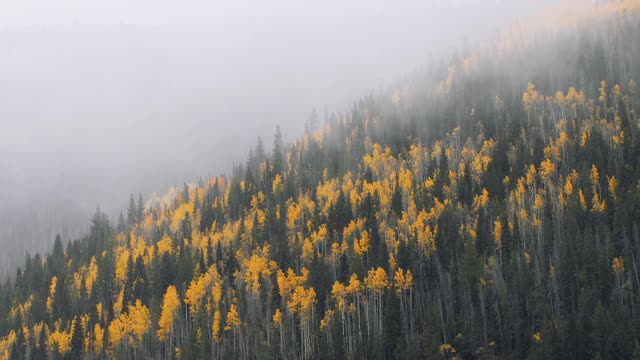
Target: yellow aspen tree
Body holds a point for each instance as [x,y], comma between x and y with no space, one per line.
[98,338]
[599,206]
[170,307]
[100,311]
[234,323]
[569,186]
[84,320]
[537,337]
[165,245]
[302,302]
[584,139]
[618,265]
[497,232]
[376,281]
[92,276]
[361,246]
[618,268]
[613,187]
[595,178]
[583,200]
[200,287]
[547,169]
[531,175]
[326,324]
[340,295]
[139,321]
[6,343]
[448,350]
[481,201]
[117,332]
[404,289]
[194,294]
[217,321]
[256,269]
[52,295]
[278,186]
[603,92]
[61,339]
[118,305]
[538,203]
[122,266]
[278,323]
[393,262]
[307,250]
[217,293]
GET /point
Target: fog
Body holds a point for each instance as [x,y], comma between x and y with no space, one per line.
[101,99]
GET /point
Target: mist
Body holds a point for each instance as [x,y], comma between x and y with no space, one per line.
[100,100]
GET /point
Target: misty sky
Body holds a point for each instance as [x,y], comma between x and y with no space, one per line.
[100,99]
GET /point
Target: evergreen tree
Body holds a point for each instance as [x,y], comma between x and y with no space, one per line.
[132,212]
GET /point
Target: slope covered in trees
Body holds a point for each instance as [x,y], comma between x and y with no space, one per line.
[489,208]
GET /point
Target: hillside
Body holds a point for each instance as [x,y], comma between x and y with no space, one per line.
[487,207]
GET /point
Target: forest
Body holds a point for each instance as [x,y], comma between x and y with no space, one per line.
[486,207]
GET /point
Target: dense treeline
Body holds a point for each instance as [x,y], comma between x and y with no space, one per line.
[480,217]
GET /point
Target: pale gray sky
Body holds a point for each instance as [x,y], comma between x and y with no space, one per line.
[162,12]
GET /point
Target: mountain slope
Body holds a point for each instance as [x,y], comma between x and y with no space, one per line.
[488,207]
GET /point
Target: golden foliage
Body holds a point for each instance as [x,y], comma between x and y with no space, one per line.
[119,303]
[278,186]
[377,280]
[531,97]
[613,187]
[6,343]
[497,233]
[599,206]
[584,139]
[61,339]
[165,245]
[583,200]
[302,302]
[307,250]
[277,318]
[481,201]
[233,319]
[537,337]
[404,281]
[52,294]
[288,282]
[570,182]
[447,349]
[538,202]
[355,285]
[547,169]
[199,288]
[339,294]
[170,307]
[98,338]
[618,265]
[361,246]
[139,322]
[179,215]
[258,267]
[116,332]
[92,276]
[217,321]
[594,177]
[603,91]
[122,266]
[325,323]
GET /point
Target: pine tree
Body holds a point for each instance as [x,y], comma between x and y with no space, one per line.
[132,212]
